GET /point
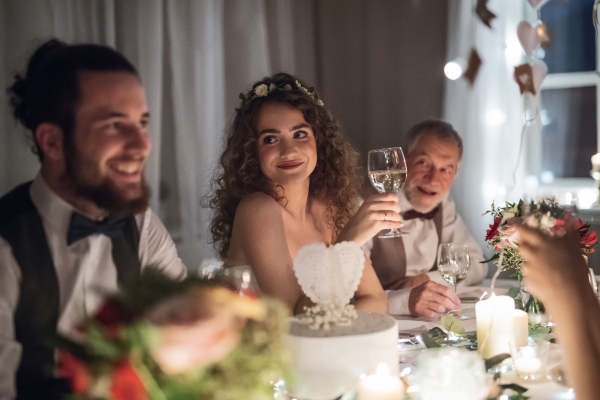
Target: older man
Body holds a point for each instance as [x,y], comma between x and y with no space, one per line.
[83,226]
[407,266]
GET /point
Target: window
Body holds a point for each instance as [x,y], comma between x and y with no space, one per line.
[568,97]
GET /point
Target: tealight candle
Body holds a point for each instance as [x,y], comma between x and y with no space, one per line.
[529,360]
[520,327]
[381,386]
[494,325]
[528,365]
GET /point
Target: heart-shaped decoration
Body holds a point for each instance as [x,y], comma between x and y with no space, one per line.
[529,37]
[330,275]
[537,3]
[539,72]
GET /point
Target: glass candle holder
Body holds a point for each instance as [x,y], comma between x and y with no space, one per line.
[450,374]
[530,360]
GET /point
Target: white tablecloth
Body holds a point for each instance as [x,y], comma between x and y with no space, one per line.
[542,390]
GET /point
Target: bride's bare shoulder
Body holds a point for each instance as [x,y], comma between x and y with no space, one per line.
[258,206]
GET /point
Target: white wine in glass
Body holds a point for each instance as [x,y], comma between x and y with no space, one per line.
[387,173]
[453,264]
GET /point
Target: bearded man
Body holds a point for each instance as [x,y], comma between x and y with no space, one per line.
[82,227]
[407,266]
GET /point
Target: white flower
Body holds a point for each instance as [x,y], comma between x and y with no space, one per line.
[240,103]
[305,89]
[320,103]
[298,84]
[506,215]
[272,87]
[287,86]
[261,90]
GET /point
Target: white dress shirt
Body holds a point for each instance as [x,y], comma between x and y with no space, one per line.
[421,244]
[85,271]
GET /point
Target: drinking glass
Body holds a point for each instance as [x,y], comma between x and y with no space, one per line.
[453,265]
[387,172]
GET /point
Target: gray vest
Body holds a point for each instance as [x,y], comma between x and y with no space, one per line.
[388,256]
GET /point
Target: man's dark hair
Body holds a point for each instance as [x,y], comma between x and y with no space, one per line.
[49,92]
[438,128]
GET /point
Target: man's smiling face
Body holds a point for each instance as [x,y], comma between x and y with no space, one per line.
[432,166]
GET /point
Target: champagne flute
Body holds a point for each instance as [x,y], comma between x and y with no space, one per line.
[387,172]
[453,264]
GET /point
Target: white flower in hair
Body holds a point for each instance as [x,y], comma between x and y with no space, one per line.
[298,84]
[240,103]
[261,90]
[287,86]
[272,87]
[320,103]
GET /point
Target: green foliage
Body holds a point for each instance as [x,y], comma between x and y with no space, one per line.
[453,324]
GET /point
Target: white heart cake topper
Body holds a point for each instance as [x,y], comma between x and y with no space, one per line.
[329,276]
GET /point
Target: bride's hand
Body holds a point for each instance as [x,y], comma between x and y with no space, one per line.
[377,213]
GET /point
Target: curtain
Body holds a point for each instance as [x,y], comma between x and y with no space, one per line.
[377,65]
[489,116]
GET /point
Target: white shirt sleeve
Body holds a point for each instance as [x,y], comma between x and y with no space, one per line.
[10,349]
[398,301]
[157,249]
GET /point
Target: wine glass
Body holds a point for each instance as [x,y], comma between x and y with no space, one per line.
[387,172]
[453,264]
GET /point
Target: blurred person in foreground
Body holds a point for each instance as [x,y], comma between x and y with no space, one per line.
[288,181]
[557,273]
[407,266]
[82,227]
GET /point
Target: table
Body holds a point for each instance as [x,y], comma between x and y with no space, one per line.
[542,390]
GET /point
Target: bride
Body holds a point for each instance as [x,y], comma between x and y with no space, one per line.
[288,180]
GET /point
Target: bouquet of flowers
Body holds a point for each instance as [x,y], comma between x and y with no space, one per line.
[545,215]
[164,339]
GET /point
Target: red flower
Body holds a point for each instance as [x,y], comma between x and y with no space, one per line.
[127,384]
[109,316]
[558,228]
[588,239]
[493,231]
[75,371]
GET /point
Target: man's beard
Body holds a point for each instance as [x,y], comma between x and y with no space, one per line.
[105,194]
[417,200]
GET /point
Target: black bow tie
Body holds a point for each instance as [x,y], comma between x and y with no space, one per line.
[412,214]
[81,227]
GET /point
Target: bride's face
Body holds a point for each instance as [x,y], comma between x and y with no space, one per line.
[287,149]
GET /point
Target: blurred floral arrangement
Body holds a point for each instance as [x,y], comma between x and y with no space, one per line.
[546,215]
[165,339]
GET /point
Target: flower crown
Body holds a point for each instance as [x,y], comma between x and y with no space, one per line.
[263,90]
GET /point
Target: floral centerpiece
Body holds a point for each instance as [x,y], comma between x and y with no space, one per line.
[546,215]
[164,339]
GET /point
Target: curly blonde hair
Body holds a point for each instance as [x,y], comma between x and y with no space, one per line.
[334,181]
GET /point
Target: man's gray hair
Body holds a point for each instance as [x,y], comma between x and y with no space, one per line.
[439,129]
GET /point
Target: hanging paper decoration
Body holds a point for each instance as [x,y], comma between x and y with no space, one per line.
[532,37]
[473,66]
[484,14]
[530,76]
[524,77]
[537,3]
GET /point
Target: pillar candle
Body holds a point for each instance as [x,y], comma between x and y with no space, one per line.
[596,162]
[520,328]
[493,334]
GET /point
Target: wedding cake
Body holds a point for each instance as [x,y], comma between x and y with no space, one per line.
[334,344]
[330,362]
